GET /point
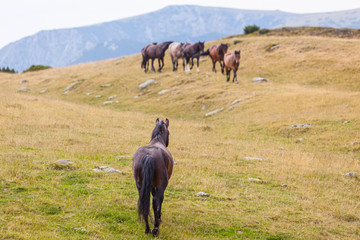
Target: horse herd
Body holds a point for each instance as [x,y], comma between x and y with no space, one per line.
[187,52]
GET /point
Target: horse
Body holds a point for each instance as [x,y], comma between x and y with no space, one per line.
[176,52]
[152,169]
[144,60]
[216,53]
[192,51]
[153,51]
[232,62]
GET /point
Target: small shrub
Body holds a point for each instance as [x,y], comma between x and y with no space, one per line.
[33,68]
[251,28]
[264,31]
[237,42]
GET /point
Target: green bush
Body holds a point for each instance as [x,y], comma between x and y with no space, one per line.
[33,68]
[251,28]
[264,31]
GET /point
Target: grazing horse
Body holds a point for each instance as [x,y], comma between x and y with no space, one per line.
[144,60]
[192,51]
[153,51]
[232,62]
[176,51]
[217,53]
[152,168]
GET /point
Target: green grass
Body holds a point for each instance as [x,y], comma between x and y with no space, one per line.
[308,84]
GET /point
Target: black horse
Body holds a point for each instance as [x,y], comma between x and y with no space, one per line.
[153,51]
[192,51]
[152,168]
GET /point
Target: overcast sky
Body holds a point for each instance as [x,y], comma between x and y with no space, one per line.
[21,18]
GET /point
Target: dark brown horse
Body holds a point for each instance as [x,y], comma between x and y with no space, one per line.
[192,51]
[144,61]
[154,51]
[217,53]
[152,168]
[232,62]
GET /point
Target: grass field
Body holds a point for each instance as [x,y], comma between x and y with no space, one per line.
[302,192]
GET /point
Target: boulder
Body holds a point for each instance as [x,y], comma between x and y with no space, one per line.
[146,84]
[63,162]
[214,112]
[106,169]
[23,89]
[70,86]
[302,125]
[202,194]
[260,79]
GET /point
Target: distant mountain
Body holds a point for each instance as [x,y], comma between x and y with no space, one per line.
[187,23]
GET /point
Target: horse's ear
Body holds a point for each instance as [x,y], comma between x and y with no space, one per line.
[157,121]
[167,123]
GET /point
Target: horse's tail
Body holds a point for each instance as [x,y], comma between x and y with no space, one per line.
[147,163]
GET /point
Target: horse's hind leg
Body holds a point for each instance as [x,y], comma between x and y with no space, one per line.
[157,202]
[198,69]
[160,66]
[213,69]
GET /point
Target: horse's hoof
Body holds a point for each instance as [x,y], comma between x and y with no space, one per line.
[147,230]
[155,232]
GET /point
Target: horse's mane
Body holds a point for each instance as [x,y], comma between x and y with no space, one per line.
[157,131]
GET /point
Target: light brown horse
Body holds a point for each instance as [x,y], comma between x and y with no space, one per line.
[176,51]
[217,53]
[152,169]
[232,62]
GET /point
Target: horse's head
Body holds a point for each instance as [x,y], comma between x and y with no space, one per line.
[224,47]
[161,132]
[237,57]
[201,46]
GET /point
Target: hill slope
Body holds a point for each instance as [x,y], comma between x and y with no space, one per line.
[127,36]
[301,193]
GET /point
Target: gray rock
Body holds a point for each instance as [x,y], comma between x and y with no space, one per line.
[254,158]
[202,194]
[63,162]
[23,89]
[124,156]
[345,122]
[146,84]
[98,96]
[214,112]
[89,93]
[355,143]
[107,169]
[260,79]
[351,174]
[43,91]
[112,97]
[163,91]
[203,107]
[107,102]
[70,86]
[273,48]
[237,101]
[106,85]
[302,125]
[24,81]
[255,180]
[283,185]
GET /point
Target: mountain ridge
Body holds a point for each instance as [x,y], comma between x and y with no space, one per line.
[68,46]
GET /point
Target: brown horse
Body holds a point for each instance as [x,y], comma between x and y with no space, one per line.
[192,51]
[232,62]
[144,60]
[217,53]
[176,51]
[152,168]
[154,51]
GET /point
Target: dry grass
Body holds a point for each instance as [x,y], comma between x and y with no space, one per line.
[312,80]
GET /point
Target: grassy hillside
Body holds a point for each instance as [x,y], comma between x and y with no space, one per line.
[302,192]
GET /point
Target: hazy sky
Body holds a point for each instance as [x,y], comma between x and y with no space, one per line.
[21,18]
